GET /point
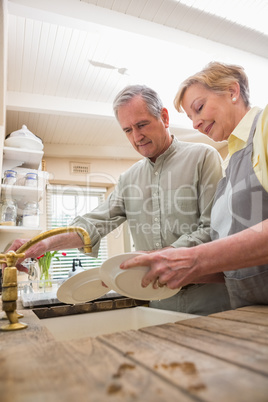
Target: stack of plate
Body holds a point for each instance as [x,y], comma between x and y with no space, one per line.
[88,285]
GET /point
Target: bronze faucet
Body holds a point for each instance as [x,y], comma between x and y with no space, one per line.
[10,283]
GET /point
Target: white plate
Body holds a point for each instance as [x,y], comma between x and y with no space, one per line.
[82,287]
[128,282]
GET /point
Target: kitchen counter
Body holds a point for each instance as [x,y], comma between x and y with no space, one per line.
[215,358]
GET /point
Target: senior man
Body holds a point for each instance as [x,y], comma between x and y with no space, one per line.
[166,197]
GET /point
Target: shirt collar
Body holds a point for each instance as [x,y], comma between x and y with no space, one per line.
[239,136]
[167,151]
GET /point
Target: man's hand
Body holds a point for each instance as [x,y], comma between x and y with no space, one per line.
[33,252]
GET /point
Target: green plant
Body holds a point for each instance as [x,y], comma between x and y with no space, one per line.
[44,262]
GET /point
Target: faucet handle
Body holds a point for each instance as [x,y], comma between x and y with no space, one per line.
[10,258]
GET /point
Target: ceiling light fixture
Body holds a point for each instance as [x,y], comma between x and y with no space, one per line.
[120,70]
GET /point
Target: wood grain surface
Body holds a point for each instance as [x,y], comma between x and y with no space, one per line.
[216,358]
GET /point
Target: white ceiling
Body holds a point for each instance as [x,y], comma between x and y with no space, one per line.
[67,101]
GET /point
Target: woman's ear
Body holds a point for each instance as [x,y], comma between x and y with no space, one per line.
[234,90]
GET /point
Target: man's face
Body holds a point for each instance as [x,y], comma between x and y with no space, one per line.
[148,135]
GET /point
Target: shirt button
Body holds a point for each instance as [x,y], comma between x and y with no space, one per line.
[156,219]
[156,173]
[157,244]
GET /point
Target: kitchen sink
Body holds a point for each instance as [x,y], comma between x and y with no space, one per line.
[106,322]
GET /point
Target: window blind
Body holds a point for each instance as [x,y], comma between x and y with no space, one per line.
[63,203]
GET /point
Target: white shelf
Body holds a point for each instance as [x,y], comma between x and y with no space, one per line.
[22,157]
[10,233]
[22,160]
[23,194]
[20,229]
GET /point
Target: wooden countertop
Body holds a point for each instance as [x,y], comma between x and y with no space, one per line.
[222,357]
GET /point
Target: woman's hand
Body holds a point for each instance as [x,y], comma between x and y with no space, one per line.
[171,267]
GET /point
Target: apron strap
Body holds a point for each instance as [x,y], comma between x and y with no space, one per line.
[253,127]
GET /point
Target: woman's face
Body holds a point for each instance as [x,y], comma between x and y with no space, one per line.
[211,114]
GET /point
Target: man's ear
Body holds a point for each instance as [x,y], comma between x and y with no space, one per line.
[165,117]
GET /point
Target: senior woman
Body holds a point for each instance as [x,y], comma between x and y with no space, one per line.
[216,99]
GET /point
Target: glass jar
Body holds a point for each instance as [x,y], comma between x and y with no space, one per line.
[31,215]
[31,180]
[10,177]
[8,212]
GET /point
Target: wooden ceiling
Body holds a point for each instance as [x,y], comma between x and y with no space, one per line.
[67,59]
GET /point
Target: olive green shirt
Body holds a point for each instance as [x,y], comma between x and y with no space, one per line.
[166,203]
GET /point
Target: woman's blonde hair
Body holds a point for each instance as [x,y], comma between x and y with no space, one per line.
[216,77]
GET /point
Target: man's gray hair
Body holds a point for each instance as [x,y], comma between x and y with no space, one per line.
[151,98]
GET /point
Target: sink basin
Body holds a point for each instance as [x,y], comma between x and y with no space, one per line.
[106,322]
